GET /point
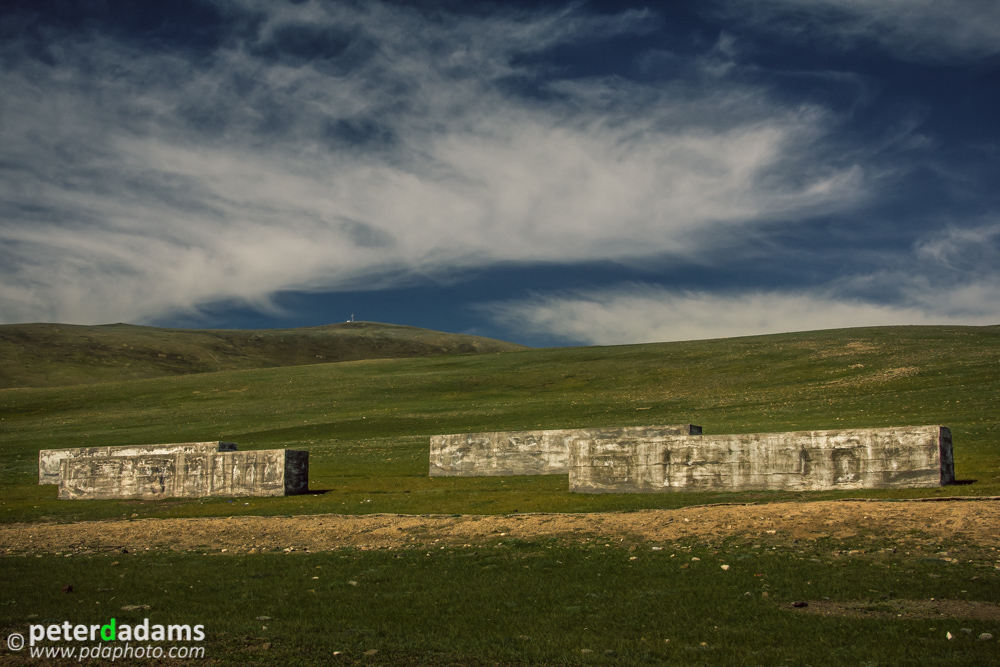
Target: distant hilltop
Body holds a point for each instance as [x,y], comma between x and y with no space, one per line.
[46,355]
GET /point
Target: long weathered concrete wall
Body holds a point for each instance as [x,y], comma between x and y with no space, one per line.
[525,452]
[148,476]
[49,459]
[912,456]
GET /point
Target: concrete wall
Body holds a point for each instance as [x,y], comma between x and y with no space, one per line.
[48,459]
[150,476]
[525,452]
[912,456]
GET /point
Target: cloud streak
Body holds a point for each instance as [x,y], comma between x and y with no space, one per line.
[950,276]
[912,30]
[331,146]
[645,314]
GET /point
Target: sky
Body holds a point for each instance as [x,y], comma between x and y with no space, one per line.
[548,173]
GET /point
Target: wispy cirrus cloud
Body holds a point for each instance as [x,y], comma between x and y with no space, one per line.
[328,145]
[914,30]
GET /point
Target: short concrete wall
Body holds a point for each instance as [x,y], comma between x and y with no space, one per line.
[149,476]
[48,459]
[525,452]
[912,456]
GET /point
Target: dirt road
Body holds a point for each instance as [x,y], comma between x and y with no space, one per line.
[973,522]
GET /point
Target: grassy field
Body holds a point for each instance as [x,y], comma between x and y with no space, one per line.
[366,425]
[517,603]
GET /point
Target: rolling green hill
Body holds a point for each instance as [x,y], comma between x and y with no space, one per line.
[366,423]
[47,355]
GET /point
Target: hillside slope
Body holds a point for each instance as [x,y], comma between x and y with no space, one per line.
[47,355]
[366,424]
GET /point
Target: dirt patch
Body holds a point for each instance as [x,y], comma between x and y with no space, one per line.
[978,611]
[966,521]
[852,348]
[875,378]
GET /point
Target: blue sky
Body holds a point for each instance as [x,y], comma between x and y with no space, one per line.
[543,172]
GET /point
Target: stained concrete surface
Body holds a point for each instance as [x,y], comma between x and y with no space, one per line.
[526,452]
[903,457]
[180,474]
[49,459]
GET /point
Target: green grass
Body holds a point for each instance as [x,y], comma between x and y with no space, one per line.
[44,355]
[544,602]
[366,424]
